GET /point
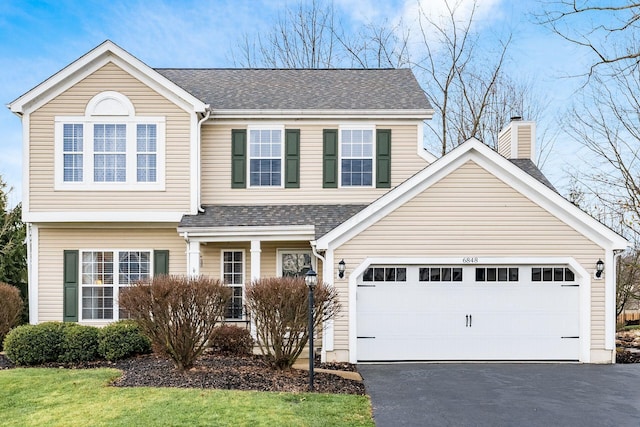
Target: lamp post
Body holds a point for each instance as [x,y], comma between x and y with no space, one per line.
[311,280]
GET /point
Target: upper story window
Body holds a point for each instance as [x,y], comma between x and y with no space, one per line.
[265,157]
[109,148]
[356,157]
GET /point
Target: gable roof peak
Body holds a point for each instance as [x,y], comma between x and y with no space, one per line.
[105,52]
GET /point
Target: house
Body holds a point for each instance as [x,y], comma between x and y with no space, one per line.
[239,174]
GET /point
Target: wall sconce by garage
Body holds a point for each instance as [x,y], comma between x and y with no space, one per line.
[342,266]
[599,268]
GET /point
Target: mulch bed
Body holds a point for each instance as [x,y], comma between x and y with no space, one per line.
[219,371]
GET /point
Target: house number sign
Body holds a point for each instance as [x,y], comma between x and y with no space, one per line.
[470,260]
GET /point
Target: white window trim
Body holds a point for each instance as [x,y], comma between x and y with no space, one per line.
[109,108]
[372,128]
[280,251]
[116,285]
[281,128]
[244,280]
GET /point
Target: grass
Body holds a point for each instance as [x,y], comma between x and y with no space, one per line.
[64,397]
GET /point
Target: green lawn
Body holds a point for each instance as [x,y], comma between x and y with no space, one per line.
[64,397]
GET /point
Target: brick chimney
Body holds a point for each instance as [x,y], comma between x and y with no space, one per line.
[518,140]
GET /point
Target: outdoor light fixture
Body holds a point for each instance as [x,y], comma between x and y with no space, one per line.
[311,279]
[599,268]
[341,267]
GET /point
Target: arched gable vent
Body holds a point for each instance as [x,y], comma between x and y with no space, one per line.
[110,103]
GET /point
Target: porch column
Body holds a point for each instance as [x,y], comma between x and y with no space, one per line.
[255,259]
[255,275]
[193,258]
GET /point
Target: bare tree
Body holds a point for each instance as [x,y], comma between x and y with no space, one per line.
[610,33]
[383,45]
[605,122]
[466,81]
[628,280]
[302,37]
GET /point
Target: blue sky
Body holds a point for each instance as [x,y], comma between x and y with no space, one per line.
[40,37]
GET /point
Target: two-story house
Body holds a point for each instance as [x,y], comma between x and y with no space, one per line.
[238,174]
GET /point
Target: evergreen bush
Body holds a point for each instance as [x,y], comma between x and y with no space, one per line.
[121,340]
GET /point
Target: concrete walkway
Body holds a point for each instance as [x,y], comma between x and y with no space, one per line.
[503,394]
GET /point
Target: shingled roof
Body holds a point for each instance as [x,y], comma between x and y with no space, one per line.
[324,217]
[302,89]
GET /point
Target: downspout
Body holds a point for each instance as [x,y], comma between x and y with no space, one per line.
[198,154]
[316,254]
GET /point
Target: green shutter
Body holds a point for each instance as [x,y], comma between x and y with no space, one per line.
[238,158]
[330,158]
[292,158]
[70,272]
[160,262]
[383,158]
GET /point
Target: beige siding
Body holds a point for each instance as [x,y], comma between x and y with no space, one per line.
[53,241]
[216,168]
[472,213]
[73,102]
[524,142]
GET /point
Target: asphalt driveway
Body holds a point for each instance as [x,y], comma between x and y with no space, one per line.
[487,394]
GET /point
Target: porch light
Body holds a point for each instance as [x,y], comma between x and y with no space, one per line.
[342,266]
[311,279]
[599,268]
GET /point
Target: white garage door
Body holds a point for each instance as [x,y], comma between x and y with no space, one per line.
[467,313]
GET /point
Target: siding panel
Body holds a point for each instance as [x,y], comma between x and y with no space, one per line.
[73,102]
[53,241]
[216,168]
[472,213]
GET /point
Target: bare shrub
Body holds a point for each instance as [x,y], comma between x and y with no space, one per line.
[279,306]
[232,339]
[177,313]
[10,309]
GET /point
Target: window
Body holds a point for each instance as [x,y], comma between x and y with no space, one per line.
[497,274]
[72,152]
[385,274]
[146,135]
[110,148]
[265,157]
[102,281]
[110,153]
[233,276]
[552,274]
[356,148]
[440,274]
[294,263]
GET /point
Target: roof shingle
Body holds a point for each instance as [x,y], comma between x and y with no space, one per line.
[324,217]
[301,89]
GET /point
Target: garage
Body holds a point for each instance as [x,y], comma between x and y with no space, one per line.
[468,312]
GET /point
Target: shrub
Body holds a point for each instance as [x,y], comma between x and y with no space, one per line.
[10,309]
[35,344]
[232,339]
[177,313]
[79,343]
[121,340]
[280,309]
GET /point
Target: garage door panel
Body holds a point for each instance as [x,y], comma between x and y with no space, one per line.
[468,321]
